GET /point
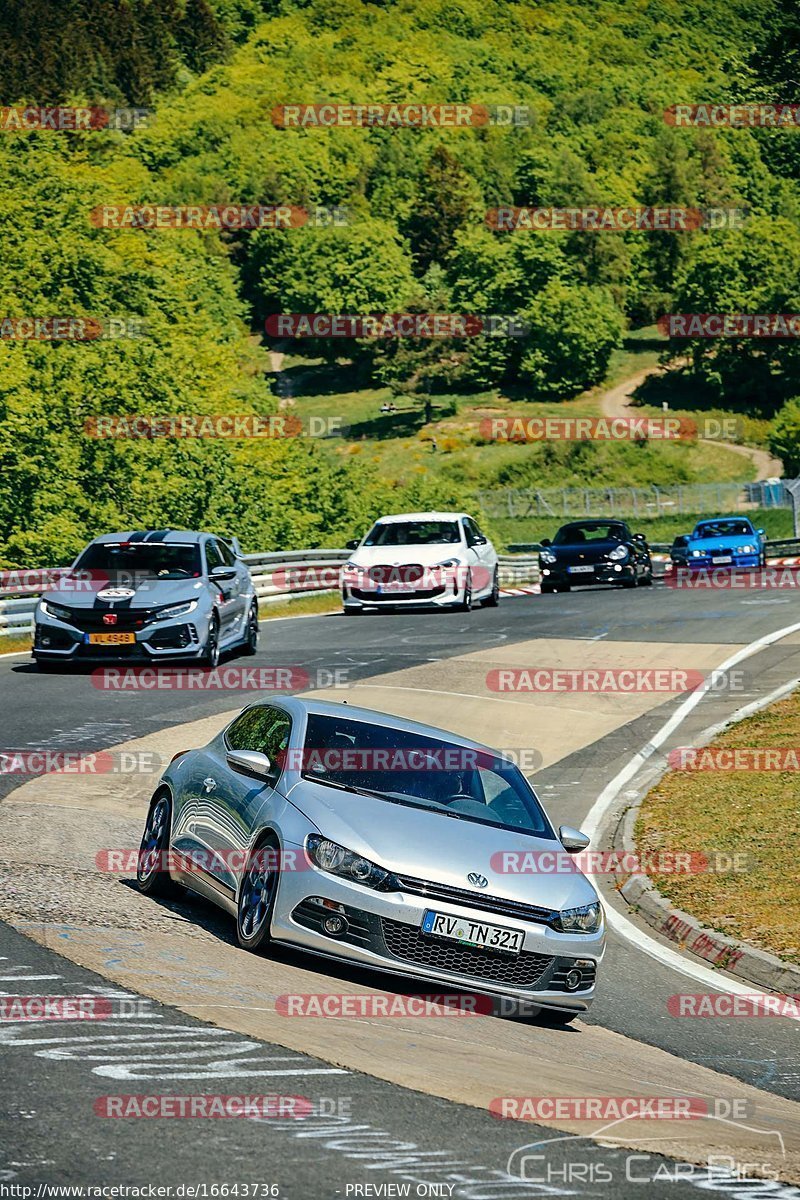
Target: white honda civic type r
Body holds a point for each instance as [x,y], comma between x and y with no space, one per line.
[431,559]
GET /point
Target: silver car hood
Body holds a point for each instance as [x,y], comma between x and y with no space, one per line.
[428,845]
[142,593]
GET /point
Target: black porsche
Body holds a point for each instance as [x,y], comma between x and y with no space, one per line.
[599,551]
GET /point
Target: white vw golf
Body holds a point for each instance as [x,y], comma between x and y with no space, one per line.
[433,559]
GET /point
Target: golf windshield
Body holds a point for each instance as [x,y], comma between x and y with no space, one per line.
[413,533]
[421,772]
[162,560]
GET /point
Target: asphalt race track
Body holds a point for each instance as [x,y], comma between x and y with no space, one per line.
[393,1104]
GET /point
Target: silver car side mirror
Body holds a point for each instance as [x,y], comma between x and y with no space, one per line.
[250,762]
[572,840]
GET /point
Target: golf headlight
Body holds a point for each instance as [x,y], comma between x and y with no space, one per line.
[337,860]
[55,610]
[547,556]
[618,553]
[580,920]
[175,610]
[748,549]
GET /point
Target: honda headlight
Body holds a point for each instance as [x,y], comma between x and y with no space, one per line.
[56,610]
[547,556]
[175,610]
[619,553]
[337,860]
[581,920]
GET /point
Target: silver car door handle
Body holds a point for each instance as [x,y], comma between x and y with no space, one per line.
[209,784]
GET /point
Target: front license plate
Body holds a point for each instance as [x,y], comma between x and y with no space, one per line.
[579,570]
[473,933]
[111,639]
[721,558]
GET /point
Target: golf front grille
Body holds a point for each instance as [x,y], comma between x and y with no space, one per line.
[408,943]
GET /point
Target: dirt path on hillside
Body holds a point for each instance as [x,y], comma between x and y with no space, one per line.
[616,402]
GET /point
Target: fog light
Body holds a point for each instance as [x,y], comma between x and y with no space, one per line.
[336,926]
[545,571]
[573,980]
[617,567]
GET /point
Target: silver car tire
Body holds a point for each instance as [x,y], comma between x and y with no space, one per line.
[251,640]
[210,656]
[257,893]
[152,877]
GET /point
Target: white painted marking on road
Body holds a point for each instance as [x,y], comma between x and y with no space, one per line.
[396,687]
[621,924]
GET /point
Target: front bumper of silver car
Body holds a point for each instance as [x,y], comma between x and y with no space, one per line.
[57,640]
[382,930]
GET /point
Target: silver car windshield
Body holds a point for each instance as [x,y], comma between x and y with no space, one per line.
[163,560]
[413,533]
[402,767]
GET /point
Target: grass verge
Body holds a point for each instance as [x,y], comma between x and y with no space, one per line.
[731,812]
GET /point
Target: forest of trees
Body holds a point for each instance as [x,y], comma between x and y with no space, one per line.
[595,77]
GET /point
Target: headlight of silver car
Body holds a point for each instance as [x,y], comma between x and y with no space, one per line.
[580,920]
[547,556]
[56,610]
[175,610]
[337,860]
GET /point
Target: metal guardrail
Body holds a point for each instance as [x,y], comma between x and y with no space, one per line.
[277,576]
[635,502]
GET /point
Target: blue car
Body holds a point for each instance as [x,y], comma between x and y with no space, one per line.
[725,542]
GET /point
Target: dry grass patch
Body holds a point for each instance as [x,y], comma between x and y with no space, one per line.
[731,812]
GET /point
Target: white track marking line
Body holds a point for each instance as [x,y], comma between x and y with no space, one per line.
[620,923]
[395,687]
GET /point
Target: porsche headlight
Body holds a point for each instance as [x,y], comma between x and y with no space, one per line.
[581,920]
[619,553]
[338,860]
[56,610]
[547,556]
[175,610]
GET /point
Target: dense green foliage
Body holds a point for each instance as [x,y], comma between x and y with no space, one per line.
[595,77]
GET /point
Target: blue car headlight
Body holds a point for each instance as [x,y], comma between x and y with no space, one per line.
[175,610]
[698,554]
[748,549]
[55,610]
[338,860]
[580,920]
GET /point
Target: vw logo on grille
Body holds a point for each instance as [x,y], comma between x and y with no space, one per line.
[478,880]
